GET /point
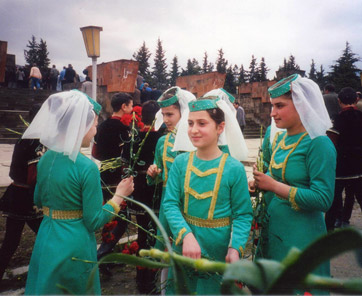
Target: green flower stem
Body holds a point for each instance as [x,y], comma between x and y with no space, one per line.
[345,286]
[15,132]
[135,224]
[199,264]
[137,155]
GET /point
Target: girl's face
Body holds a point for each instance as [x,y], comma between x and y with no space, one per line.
[171,116]
[203,130]
[90,134]
[284,113]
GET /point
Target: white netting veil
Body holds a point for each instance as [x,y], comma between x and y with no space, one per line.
[183,98]
[62,122]
[309,103]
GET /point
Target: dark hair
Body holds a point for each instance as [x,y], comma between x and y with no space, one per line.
[149,110]
[169,94]
[119,99]
[347,96]
[88,78]
[216,114]
[330,87]
[359,95]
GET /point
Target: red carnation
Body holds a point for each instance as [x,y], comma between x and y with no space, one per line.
[133,247]
[137,110]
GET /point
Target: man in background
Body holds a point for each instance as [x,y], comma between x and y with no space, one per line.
[330,98]
[240,115]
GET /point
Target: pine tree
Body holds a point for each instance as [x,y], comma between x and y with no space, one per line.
[229,80]
[242,75]
[31,55]
[321,78]
[344,72]
[253,70]
[174,71]
[221,62]
[206,65]
[291,64]
[192,68]
[312,72]
[43,60]
[159,73]
[263,71]
[142,56]
[236,74]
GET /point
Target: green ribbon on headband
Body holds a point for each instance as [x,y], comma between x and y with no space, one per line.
[96,107]
[200,105]
[168,102]
[283,86]
[231,98]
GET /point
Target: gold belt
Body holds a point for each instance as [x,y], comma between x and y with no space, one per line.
[62,215]
[208,223]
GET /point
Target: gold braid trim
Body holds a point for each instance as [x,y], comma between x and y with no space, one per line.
[200,196]
[292,194]
[204,174]
[187,182]
[275,139]
[241,251]
[217,185]
[63,215]
[165,158]
[115,207]
[180,234]
[207,223]
[283,165]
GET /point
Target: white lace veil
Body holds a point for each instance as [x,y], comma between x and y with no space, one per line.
[233,135]
[183,98]
[308,101]
[62,122]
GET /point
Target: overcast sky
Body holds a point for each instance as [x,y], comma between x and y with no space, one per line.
[308,29]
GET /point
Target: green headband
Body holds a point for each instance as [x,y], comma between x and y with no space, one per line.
[282,87]
[96,107]
[231,98]
[168,102]
[200,105]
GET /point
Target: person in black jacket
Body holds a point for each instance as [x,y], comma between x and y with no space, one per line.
[347,137]
[17,202]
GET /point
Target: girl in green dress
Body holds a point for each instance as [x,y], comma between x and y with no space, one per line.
[69,192]
[207,203]
[301,172]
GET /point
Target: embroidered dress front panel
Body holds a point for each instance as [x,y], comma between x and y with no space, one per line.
[210,176]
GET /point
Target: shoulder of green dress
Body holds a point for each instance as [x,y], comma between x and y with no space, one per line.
[84,162]
[232,162]
[323,141]
[182,157]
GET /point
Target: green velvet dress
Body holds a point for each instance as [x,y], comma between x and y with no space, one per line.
[164,157]
[211,200]
[71,197]
[309,167]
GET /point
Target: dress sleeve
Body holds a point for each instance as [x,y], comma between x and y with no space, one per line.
[157,160]
[242,213]
[172,204]
[321,165]
[94,215]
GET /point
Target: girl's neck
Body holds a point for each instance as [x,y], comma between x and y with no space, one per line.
[209,153]
[296,130]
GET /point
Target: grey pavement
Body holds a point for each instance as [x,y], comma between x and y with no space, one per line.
[6,152]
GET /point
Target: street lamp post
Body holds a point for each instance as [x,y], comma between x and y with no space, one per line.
[91,37]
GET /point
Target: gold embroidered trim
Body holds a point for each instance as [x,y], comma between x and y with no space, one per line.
[283,165]
[213,194]
[180,234]
[165,158]
[241,251]
[292,194]
[275,139]
[63,215]
[115,207]
[207,223]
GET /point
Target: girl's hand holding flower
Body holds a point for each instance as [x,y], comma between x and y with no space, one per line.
[124,188]
[153,171]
